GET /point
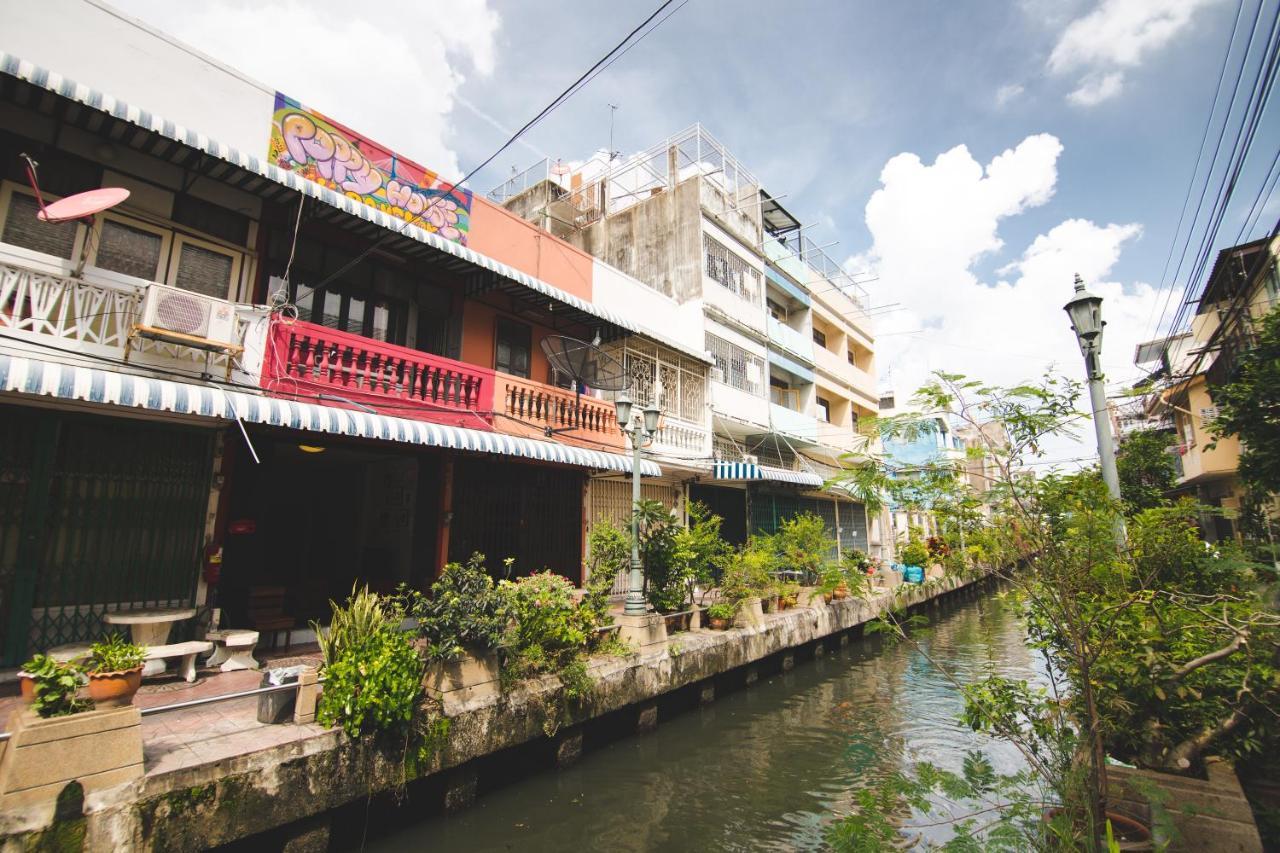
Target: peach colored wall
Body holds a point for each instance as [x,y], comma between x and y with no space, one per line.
[506,237]
[478,327]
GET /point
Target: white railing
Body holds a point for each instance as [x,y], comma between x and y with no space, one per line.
[45,305]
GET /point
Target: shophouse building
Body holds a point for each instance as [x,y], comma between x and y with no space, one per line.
[786,327]
[290,357]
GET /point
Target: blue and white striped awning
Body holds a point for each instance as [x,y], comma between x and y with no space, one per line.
[30,376]
[54,82]
[752,471]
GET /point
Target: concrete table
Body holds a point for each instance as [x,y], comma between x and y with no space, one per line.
[150,628]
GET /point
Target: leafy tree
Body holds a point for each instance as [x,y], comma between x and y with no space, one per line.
[1146,469]
[1249,408]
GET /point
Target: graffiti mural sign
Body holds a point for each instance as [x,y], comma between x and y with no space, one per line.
[324,151]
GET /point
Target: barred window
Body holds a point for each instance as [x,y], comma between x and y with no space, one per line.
[682,380]
[741,369]
[731,271]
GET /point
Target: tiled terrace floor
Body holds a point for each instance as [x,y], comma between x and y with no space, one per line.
[207,733]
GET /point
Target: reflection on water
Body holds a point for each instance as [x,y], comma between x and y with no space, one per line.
[762,768]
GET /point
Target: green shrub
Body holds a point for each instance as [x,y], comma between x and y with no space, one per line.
[547,629]
[749,571]
[914,553]
[721,610]
[55,685]
[115,654]
[373,684]
[802,545]
[463,612]
[363,616]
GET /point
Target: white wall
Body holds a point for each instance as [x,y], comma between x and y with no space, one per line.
[614,290]
[97,46]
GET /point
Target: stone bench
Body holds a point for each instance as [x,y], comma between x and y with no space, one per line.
[185,651]
[233,649]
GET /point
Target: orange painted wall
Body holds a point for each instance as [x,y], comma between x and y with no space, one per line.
[478,327]
[506,237]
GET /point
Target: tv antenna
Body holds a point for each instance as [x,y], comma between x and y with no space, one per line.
[613,109]
[587,366]
[81,206]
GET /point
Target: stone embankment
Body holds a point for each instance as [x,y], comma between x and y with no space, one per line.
[290,789]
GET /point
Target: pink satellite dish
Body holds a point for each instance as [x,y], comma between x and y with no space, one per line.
[83,204]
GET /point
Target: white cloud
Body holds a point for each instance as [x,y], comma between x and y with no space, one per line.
[1096,88]
[1008,92]
[393,77]
[932,223]
[1117,35]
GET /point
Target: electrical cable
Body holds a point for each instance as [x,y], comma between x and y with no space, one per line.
[547,110]
[1208,122]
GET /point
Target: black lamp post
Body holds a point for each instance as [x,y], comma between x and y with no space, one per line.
[640,433]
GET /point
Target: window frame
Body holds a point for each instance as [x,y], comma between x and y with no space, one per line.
[526,331]
[166,236]
[7,189]
[175,261]
[820,337]
[823,406]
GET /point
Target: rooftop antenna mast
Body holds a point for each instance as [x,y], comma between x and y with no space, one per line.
[613,109]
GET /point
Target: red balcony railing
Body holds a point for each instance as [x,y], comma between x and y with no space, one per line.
[533,406]
[304,360]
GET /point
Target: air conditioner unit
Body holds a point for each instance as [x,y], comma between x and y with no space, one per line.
[183,312]
[717,374]
[751,459]
[1209,413]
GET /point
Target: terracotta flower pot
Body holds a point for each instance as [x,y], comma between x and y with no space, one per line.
[827,596]
[842,591]
[1131,835]
[718,624]
[114,688]
[27,685]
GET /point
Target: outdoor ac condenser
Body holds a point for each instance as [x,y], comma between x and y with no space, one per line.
[171,309]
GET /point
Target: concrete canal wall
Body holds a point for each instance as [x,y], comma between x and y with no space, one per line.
[290,790]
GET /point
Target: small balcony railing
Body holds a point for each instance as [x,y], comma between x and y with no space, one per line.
[41,302]
[527,404]
[308,360]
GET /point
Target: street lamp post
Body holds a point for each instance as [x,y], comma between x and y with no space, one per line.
[1085,311]
[639,432]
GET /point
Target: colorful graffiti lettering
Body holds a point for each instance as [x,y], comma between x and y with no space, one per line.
[320,150]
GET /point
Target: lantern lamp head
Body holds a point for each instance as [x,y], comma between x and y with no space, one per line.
[622,408]
[1085,311]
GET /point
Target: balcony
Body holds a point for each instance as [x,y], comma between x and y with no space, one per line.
[797,343]
[310,361]
[793,423]
[530,408]
[90,319]
[675,436]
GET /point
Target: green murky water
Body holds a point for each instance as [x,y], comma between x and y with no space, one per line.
[761,768]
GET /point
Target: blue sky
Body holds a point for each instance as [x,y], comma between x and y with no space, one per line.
[1094,109]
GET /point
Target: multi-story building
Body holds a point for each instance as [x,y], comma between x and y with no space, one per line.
[786,327]
[288,357]
[1242,286]
[935,442]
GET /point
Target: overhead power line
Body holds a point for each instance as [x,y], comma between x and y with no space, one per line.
[604,62]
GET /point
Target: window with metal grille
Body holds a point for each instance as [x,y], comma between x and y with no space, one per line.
[730,271]
[678,383]
[742,370]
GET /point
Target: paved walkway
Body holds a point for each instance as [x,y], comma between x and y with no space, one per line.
[207,733]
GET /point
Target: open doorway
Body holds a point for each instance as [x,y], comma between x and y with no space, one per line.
[317,516]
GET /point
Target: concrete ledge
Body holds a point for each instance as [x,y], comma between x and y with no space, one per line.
[98,749]
[1210,816]
[216,803]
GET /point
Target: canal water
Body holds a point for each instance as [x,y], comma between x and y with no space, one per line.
[761,768]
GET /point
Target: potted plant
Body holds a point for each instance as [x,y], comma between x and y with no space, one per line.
[914,553]
[832,579]
[720,614]
[788,594]
[115,670]
[461,625]
[51,686]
